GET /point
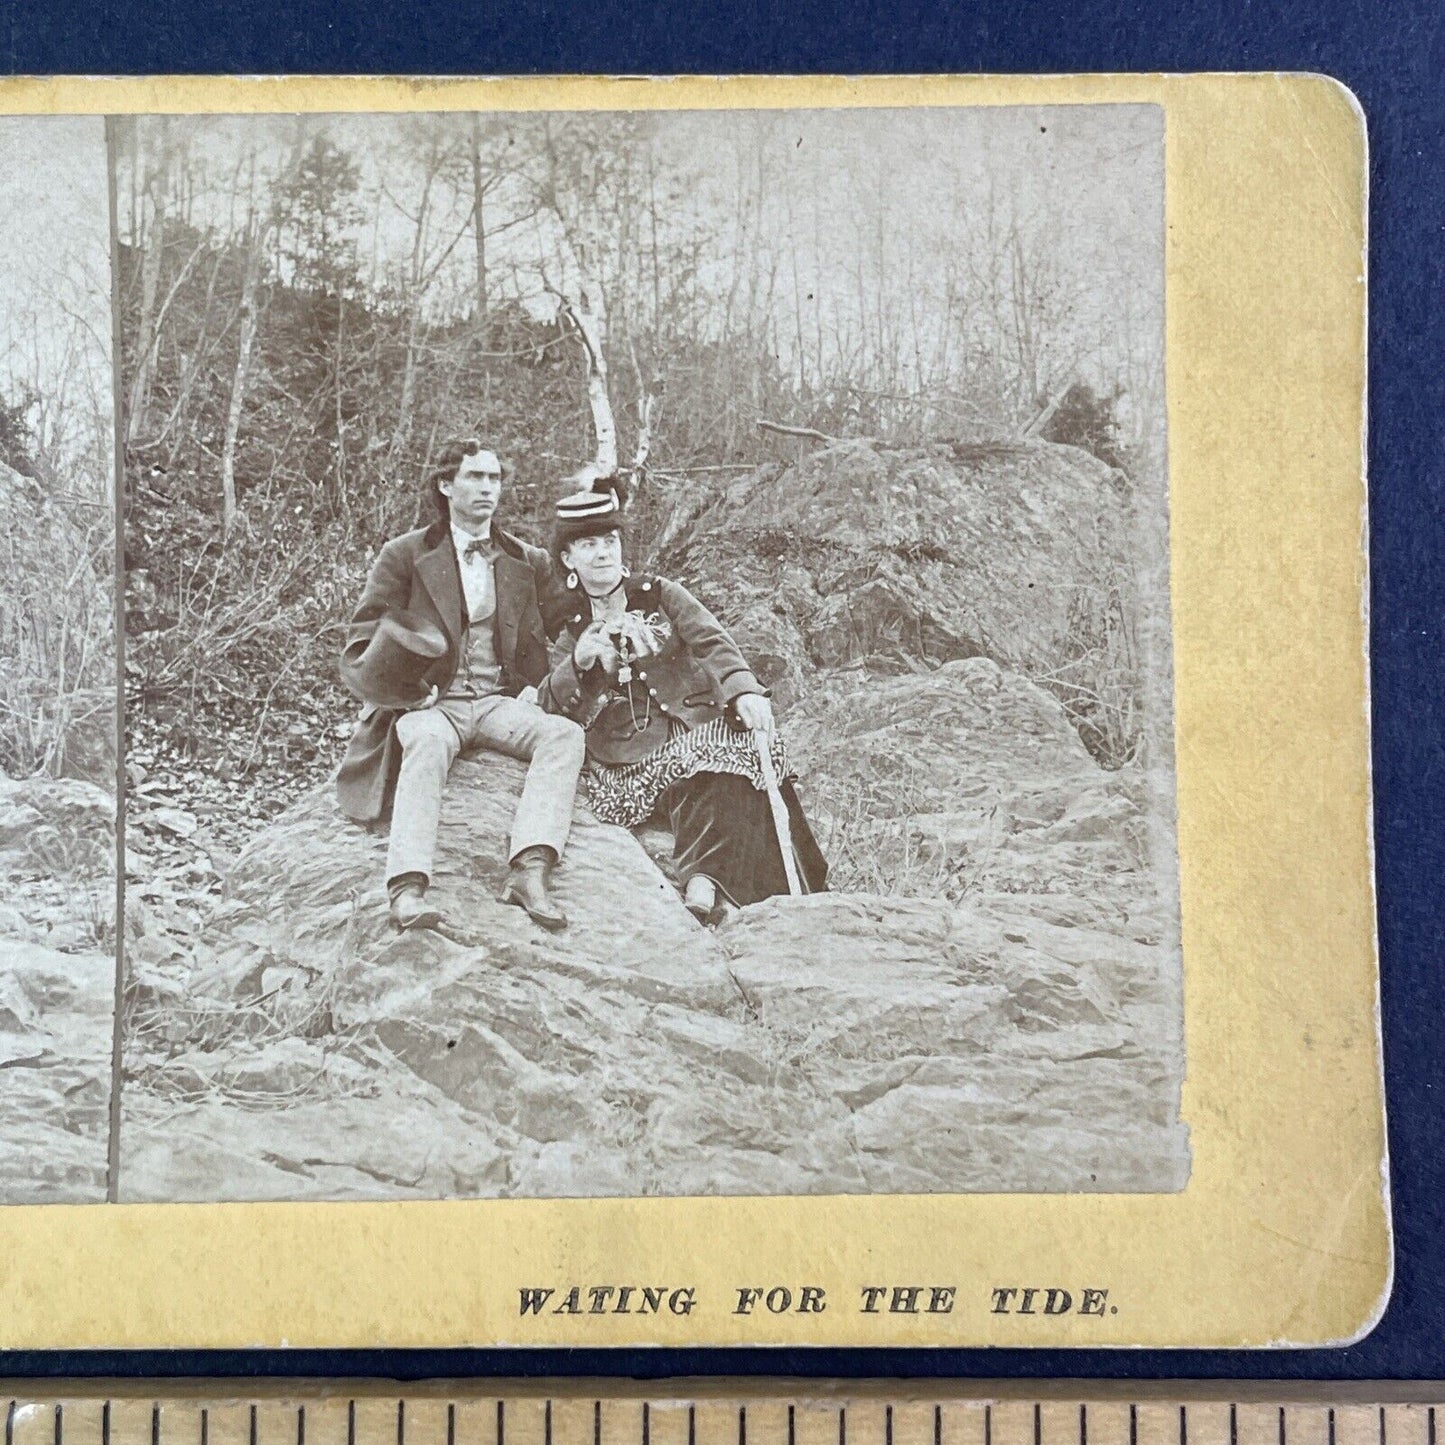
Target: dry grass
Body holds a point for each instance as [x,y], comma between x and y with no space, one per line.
[81,864]
[868,827]
[57,631]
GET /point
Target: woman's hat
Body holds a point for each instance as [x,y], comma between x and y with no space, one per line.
[387,668]
[589,513]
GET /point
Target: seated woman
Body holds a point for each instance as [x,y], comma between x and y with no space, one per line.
[673,716]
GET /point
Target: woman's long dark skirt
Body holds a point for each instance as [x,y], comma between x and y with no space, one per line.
[722,826]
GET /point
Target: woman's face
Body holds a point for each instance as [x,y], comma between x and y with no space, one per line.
[597,561]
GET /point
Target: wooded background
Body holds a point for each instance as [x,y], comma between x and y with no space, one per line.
[310,306]
[57,501]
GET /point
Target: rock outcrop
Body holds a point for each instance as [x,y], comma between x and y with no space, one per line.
[925,554]
[55,1046]
[57,863]
[294,1047]
[57,844]
[970,781]
[57,984]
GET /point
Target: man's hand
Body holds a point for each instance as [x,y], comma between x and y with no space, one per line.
[528,694]
[430,700]
[755,712]
[593,647]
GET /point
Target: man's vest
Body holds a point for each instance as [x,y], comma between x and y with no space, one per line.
[480,674]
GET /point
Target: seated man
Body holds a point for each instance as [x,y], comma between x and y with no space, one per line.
[448,632]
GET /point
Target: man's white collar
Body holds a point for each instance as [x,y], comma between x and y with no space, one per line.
[461,539]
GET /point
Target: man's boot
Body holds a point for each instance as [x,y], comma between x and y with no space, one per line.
[409,908]
[526,886]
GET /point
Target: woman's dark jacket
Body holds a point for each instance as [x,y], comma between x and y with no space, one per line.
[698,673]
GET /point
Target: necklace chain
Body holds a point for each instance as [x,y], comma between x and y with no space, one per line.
[599,608]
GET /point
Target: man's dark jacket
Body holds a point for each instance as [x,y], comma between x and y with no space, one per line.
[418,573]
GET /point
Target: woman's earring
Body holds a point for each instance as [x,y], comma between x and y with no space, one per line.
[571,579]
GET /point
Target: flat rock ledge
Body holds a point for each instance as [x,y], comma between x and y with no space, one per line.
[843,1043]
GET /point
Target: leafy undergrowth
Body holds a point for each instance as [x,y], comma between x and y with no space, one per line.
[206,772]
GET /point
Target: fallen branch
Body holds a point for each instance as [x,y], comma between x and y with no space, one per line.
[798,431]
[717,467]
[1045,414]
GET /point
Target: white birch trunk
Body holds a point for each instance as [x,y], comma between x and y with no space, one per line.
[249,288]
[590,319]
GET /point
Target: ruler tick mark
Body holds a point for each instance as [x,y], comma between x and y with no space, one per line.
[1245,1419]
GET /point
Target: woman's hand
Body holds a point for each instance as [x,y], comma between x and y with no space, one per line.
[755,712]
[595,647]
[641,640]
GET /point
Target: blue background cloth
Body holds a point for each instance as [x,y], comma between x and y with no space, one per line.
[1393,57]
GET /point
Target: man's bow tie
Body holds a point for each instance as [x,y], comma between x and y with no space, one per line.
[477,547]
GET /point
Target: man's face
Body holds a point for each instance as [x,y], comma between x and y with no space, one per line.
[474,492]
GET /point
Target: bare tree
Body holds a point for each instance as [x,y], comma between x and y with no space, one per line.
[257,234]
[149,236]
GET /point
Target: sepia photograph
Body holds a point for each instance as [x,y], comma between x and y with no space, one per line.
[648,653]
[748,691]
[58,685]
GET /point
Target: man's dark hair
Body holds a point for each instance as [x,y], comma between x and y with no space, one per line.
[452,454]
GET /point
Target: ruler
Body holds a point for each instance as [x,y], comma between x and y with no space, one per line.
[803,1413]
